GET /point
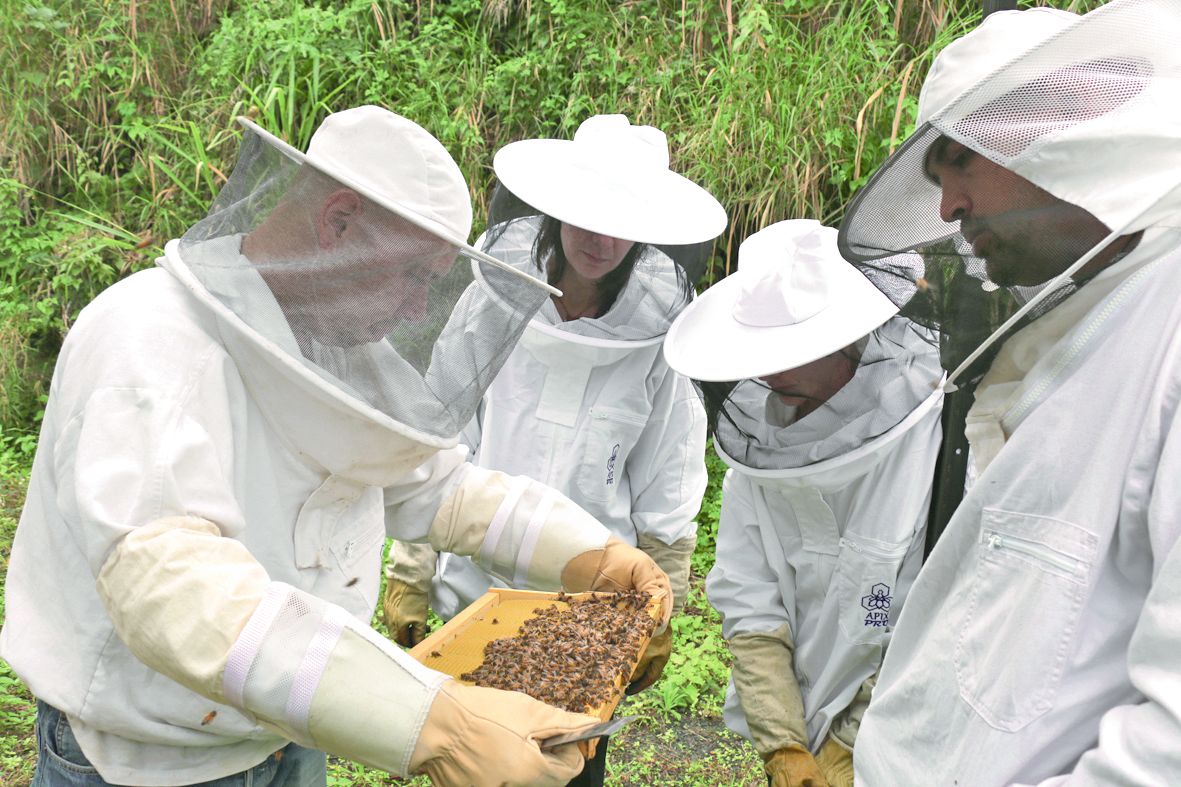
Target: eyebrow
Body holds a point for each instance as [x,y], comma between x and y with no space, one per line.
[935,155]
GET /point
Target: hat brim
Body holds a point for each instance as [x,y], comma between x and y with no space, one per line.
[707,343]
[655,206]
[418,220]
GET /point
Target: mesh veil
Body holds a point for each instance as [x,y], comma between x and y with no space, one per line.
[655,292]
[897,370]
[1089,115]
[383,311]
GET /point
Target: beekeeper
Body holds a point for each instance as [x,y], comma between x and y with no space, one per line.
[586,402]
[830,434]
[1039,644]
[228,440]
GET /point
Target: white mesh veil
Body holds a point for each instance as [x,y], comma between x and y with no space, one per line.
[897,370]
[377,302]
[1087,111]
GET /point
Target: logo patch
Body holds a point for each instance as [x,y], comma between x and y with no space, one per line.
[877,605]
[611,464]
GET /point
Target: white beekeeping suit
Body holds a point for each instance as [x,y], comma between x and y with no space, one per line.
[587,403]
[824,507]
[591,408]
[1039,642]
[230,437]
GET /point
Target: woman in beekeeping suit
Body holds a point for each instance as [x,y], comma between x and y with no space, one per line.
[586,403]
[830,433]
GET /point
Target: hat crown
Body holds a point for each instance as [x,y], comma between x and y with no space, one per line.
[396,159]
[969,60]
[611,142]
[785,275]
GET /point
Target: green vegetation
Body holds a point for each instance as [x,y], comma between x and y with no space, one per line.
[119,130]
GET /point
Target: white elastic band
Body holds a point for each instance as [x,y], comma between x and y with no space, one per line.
[532,535]
[311,668]
[245,649]
[501,517]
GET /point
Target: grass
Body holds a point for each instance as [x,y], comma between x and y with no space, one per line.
[17,712]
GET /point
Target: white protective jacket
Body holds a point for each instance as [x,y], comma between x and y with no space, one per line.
[232,508]
[1040,643]
[829,548]
[591,408]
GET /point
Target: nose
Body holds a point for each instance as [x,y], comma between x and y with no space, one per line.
[599,243]
[954,204]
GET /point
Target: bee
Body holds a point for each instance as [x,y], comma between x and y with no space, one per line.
[436,654]
[494,621]
[210,716]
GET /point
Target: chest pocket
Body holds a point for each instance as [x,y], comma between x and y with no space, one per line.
[1022,613]
[340,527]
[611,436]
[865,583]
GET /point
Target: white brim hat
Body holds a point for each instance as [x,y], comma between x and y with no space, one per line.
[612,179]
[399,166]
[792,300]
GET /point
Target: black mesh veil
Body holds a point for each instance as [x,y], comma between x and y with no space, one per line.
[760,423]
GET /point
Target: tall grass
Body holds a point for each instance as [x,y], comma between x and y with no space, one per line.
[119,113]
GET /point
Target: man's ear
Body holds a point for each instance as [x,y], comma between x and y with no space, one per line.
[341,208]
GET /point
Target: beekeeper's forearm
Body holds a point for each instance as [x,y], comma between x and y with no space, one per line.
[514,527]
[674,559]
[198,608]
[765,681]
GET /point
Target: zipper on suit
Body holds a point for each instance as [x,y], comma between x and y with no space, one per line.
[1037,551]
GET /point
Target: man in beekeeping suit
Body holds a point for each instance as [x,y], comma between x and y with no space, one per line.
[229,439]
[1039,642]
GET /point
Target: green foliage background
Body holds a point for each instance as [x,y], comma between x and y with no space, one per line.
[120,113]
[118,131]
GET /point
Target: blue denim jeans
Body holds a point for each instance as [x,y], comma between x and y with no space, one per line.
[61,763]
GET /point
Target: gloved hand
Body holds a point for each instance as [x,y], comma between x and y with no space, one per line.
[652,662]
[404,608]
[793,766]
[836,763]
[617,567]
[478,736]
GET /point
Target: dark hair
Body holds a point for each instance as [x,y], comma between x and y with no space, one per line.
[714,396]
[547,245]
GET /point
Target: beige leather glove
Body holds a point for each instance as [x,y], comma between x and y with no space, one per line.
[793,766]
[846,724]
[652,662]
[765,682]
[477,736]
[404,609]
[835,761]
[673,560]
[617,567]
[408,574]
